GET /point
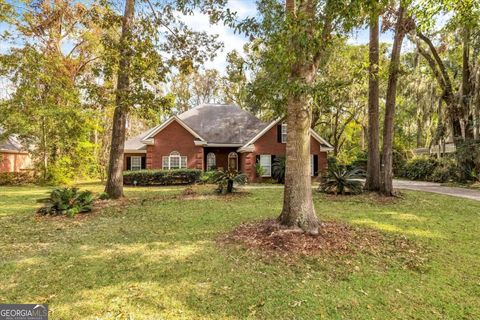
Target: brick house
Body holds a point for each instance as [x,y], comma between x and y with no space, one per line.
[13,156]
[220,137]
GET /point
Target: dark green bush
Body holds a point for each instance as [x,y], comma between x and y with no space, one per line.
[16,178]
[341,180]
[446,170]
[278,169]
[67,201]
[420,168]
[161,177]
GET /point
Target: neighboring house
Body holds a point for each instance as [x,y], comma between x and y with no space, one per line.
[13,156]
[438,149]
[212,136]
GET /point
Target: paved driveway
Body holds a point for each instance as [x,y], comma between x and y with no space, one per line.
[406,184]
[437,188]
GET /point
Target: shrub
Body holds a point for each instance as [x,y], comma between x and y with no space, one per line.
[226,179]
[259,170]
[278,169]
[103,196]
[343,181]
[161,177]
[207,176]
[360,161]
[446,170]
[420,168]
[16,178]
[67,201]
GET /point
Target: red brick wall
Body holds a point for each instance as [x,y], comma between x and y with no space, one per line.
[12,162]
[174,138]
[267,144]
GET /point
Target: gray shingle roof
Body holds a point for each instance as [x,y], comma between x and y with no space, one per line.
[215,123]
[10,143]
[220,123]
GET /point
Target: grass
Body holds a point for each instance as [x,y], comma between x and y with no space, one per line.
[158,259]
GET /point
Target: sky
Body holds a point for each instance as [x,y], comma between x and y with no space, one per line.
[226,35]
[232,41]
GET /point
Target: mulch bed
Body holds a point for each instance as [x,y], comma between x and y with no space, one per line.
[335,238]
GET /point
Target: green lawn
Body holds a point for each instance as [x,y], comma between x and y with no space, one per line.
[158,259]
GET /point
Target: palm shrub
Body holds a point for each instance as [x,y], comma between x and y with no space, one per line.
[67,201]
[278,169]
[340,180]
[226,179]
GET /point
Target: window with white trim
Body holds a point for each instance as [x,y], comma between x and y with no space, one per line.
[211,161]
[284,133]
[174,161]
[266,164]
[135,163]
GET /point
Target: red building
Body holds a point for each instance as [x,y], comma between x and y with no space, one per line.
[13,157]
[212,136]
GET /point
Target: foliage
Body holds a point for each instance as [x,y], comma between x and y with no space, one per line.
[341,180]
[225,180]
[420,168]
[208,176]
[445,170]
[16,178]
[468,158]
[278,169]
[161,177]
[259,170]
[103,196]
[67,201]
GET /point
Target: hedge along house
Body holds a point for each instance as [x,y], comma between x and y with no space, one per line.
[214,136]
[13,156]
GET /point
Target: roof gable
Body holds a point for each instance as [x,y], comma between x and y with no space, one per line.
[325,146]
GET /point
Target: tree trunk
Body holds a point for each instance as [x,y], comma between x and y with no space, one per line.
[373,162]
[466,92]
[114,187]
[387,152]
[298,210]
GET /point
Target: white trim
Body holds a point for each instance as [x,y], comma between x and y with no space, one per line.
[317,137]
[174,154]
[261,133]
[269,156]
[284,125]
[134,151]
[137,158]
[248,147]
[210,165]
[13,151]
[149,138]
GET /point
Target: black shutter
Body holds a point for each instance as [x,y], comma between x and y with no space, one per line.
[273,159]
[279,133]
[315,164]
[144,162]
[128,163]
[257,159]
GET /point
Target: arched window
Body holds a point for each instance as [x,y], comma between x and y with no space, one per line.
[211,161]
[233,161]
[174,161]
